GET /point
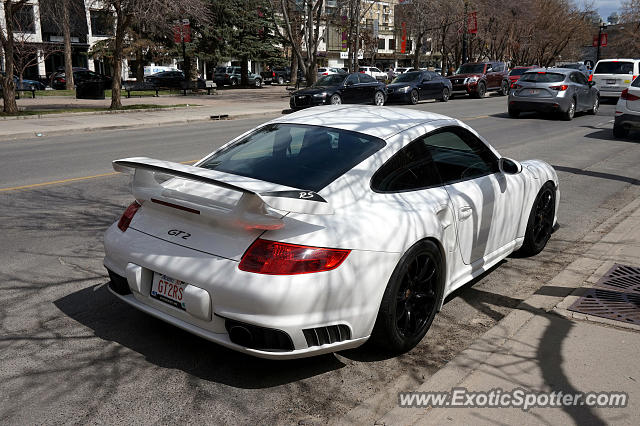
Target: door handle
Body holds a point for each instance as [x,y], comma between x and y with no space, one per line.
[464,213]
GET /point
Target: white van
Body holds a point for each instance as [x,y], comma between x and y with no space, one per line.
[612,76]
[154,69]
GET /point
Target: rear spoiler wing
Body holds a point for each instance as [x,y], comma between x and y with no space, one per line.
[250,211]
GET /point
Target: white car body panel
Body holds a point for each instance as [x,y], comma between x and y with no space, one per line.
[378,228]
[611,85]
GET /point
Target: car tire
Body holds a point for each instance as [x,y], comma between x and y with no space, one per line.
[335,99]
[514,113]
[595,106]
[620,131]
[540,222]
[280,80]
[444,97]
[504,89]
[411,299]
[570,112]
[378,98]
[481,90]
[258,83]
[414,97]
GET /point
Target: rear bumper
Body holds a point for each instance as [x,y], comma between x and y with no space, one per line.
[604,93]
[526,104]
[627,120]
[348,295]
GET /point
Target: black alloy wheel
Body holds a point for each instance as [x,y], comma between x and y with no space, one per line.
[411,299]
[540,224]
[414,97]
[444,97]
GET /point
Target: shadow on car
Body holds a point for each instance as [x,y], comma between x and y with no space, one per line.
[166,346]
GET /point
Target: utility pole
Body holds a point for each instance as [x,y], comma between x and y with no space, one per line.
[465,30]
[601,28]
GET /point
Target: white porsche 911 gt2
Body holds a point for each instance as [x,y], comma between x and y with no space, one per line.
[319,230]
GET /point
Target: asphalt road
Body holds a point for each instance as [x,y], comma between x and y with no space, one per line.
[72,353]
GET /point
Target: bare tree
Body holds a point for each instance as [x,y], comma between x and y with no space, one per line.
[159,13]
[11,7]
[309,13]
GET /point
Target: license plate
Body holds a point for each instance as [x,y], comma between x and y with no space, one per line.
[611,82]
[168,290]
[534,91]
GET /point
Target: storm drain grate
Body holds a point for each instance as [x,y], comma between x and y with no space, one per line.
[616,296]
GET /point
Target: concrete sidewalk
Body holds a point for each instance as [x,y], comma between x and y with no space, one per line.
[232,104]
[541,347]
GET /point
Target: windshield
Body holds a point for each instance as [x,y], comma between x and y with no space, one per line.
[617,67]
[295,155]
[471,69]
[518,71]
[330,80]
[406,77]
[542,77]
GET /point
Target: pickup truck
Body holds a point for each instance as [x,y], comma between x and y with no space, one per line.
[230,76]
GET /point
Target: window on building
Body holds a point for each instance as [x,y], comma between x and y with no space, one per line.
[381,44]
[101,23]
[24,20]
[392,44]
[409,45]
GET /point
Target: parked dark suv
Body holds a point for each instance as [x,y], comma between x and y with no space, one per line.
[478,78]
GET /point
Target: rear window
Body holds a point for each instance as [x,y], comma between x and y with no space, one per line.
[518,71]
[300,156]
[614,68]
[543,77]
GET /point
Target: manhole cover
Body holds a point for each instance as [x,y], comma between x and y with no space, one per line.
[616,296]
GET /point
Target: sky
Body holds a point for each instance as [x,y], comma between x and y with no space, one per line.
[606,7]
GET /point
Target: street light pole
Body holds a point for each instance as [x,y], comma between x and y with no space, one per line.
[602,27]
[465,29]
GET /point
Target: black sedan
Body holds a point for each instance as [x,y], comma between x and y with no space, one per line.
[80,75]
[414,86]
[171,79]
[355,88]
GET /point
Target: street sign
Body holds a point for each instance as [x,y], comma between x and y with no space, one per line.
[603,40]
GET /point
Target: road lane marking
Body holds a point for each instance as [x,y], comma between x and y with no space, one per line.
[61,181]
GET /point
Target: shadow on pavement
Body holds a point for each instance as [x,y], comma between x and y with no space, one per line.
[601,175]
[169,347]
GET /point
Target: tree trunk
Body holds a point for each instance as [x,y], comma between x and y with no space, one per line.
[244,72]
[121,23]
[68,61]
[139,65]
[8,85]
[294,69]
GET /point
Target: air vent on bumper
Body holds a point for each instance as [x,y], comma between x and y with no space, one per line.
[326,335]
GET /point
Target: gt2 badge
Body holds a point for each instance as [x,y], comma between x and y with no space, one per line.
[179,233]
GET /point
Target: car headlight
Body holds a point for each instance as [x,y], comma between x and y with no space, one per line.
[471,79]
[404,89]
[320,95]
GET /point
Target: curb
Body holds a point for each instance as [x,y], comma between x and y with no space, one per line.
[85,113]
[584,271]
[200,119]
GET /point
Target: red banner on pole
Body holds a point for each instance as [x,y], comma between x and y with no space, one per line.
[603,39]
[472,23]
[403,44]
[177,34]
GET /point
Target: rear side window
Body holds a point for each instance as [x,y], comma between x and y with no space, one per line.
[299,156]
[542,77]
[366,78]
[636,82]
[517,71]
[614,68]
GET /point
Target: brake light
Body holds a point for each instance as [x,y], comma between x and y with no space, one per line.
[125,219]
[628,96]
[325,73]
[273,74]
[515,85]
[560,88]
[274,258]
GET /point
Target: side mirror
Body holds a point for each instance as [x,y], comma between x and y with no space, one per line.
[509,166]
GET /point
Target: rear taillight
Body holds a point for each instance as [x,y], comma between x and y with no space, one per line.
[515,85]
[560,88]
[274,258]
[591,77]
[325,73]
[628,96]
[128,214]
[273,74]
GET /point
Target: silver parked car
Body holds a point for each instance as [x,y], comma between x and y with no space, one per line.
[560,90]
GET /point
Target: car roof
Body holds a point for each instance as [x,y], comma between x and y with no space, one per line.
[381,122]
[553,70]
